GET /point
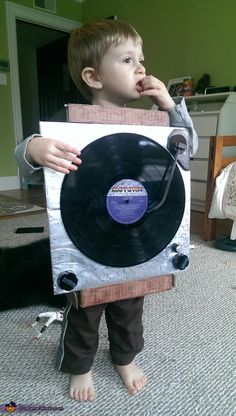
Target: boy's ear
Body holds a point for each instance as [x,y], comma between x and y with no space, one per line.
[91,78]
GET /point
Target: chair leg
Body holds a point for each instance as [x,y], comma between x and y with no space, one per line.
[209,228]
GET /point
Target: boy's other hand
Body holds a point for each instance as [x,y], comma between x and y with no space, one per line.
[155,89]
[53,154]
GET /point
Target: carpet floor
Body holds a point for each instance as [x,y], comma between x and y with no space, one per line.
[189,354]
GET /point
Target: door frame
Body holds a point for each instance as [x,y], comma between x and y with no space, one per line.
[14,12]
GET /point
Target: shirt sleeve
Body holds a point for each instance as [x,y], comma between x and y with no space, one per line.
[179,117]
[25,167]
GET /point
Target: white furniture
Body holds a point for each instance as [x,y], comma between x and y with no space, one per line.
[212,115]
[217,162]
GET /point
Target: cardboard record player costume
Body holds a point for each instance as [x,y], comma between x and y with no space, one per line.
[119,225]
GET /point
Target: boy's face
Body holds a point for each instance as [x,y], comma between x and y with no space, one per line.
[120,73]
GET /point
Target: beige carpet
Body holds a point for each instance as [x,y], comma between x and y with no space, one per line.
[11,206]
[189,354]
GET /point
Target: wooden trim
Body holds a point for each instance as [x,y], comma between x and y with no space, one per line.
[113,293]
[85,113]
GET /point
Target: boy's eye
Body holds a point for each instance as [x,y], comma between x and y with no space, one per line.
[127,60]
[141,62]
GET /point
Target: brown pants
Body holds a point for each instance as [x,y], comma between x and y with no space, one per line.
[80,334]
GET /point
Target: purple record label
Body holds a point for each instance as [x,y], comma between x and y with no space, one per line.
[127,201]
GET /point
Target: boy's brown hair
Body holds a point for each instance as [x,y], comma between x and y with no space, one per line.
[88,44]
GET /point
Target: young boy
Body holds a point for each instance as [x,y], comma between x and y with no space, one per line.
[107,64]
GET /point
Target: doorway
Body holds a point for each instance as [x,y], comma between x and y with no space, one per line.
[30,38]
[45,83]
[16,12]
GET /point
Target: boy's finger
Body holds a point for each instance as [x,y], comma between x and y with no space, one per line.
[67,148]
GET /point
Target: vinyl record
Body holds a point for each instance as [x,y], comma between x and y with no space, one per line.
[110,205]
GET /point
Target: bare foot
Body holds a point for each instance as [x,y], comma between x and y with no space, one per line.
[133,378]
[81,387]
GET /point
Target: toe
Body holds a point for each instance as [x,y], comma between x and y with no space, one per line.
[91,395]
[132,389]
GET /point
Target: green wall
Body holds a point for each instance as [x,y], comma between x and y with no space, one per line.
[184,37]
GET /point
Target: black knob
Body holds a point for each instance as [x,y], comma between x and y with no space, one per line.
[67,280]
[180,261]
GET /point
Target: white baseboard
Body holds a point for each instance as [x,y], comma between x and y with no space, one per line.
[8,183]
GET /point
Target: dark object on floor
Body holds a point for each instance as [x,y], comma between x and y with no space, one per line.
[26,230]
[225,244]
[25,277]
